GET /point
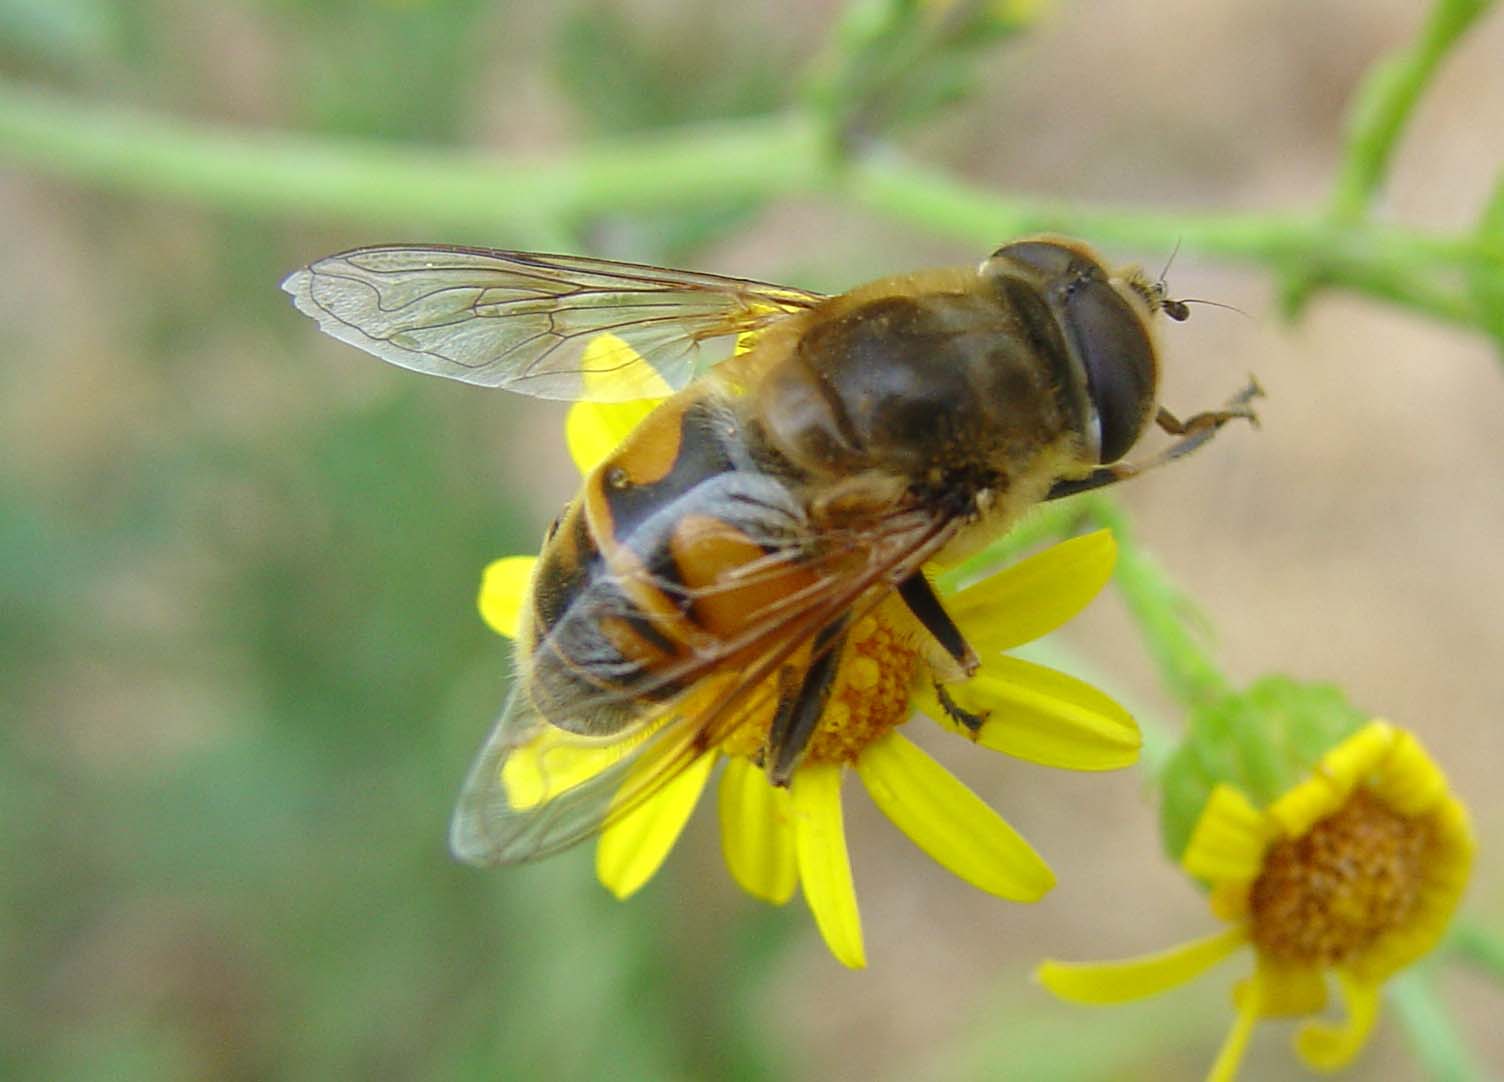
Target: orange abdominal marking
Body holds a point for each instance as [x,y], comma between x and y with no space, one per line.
[711,555]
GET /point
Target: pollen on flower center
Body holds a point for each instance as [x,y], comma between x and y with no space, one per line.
[869,695]
[871,692]
[1328,895]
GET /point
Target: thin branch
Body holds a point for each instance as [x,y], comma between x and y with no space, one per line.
[1433,1035]
[1480,947]
[1488,280]
[1403,266]
[367,181]
[763,158]
[1376,118]
[1387,98]
[1166,617]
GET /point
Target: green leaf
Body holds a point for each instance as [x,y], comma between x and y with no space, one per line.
[1263,740]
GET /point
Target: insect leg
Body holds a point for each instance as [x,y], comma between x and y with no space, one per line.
[1193,432]
[959,714]
[919,596]
[1211,420]
[798,714]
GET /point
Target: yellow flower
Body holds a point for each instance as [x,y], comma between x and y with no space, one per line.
[777,840]
[1353,873]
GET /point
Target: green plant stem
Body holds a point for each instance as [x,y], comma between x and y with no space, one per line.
[755,159]
[1165,616]
[1385,101]
[1433,1036]
[1376,119]
[1488,288]
[1403,266]
[363,180]
[1480,947]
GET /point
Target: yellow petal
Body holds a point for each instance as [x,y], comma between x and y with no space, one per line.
[1327,1047]
[1286,990]
[635,846]
[1350,761]
[1136,978]
[1410,782]
[950,822]
[594,429]
[824,868]
[1225,1069]
[1453,849]
[757,832]
[1229,839]
[1021,603]
[1043,716]
[503,593]
[602,361]
[1335,776]
[1298,809]
[1228,900]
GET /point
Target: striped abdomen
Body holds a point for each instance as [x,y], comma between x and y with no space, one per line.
[636,592]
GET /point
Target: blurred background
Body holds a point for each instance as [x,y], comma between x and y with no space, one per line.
[243,673]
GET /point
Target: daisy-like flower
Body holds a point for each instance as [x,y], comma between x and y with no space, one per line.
[1352,874]
[777,840]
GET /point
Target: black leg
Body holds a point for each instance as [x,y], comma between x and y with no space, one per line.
[919,596]
[957,713]
[799,713]
[1192,433]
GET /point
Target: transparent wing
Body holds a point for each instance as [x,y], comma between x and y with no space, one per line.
[536,788]
[523,320]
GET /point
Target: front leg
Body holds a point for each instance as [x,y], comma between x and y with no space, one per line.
[919,596]
[1192,433]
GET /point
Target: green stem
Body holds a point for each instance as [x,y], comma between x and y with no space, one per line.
[1491,224]
[1376,120]
[367,181]
[752,159]
[1480,947]
[1386,100]
[1433,1036]
[1487,279]
[1164,615]
[1390,262]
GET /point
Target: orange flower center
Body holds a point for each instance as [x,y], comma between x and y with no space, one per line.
[871,691]
[869,696]
[1328,895]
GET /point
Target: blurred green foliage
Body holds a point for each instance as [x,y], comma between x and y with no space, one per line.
[243,669]
[269,895]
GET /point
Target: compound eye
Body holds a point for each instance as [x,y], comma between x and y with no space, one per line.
[1048,259]
[1114,345]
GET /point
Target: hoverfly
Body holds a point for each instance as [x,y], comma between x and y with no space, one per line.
[703,578]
